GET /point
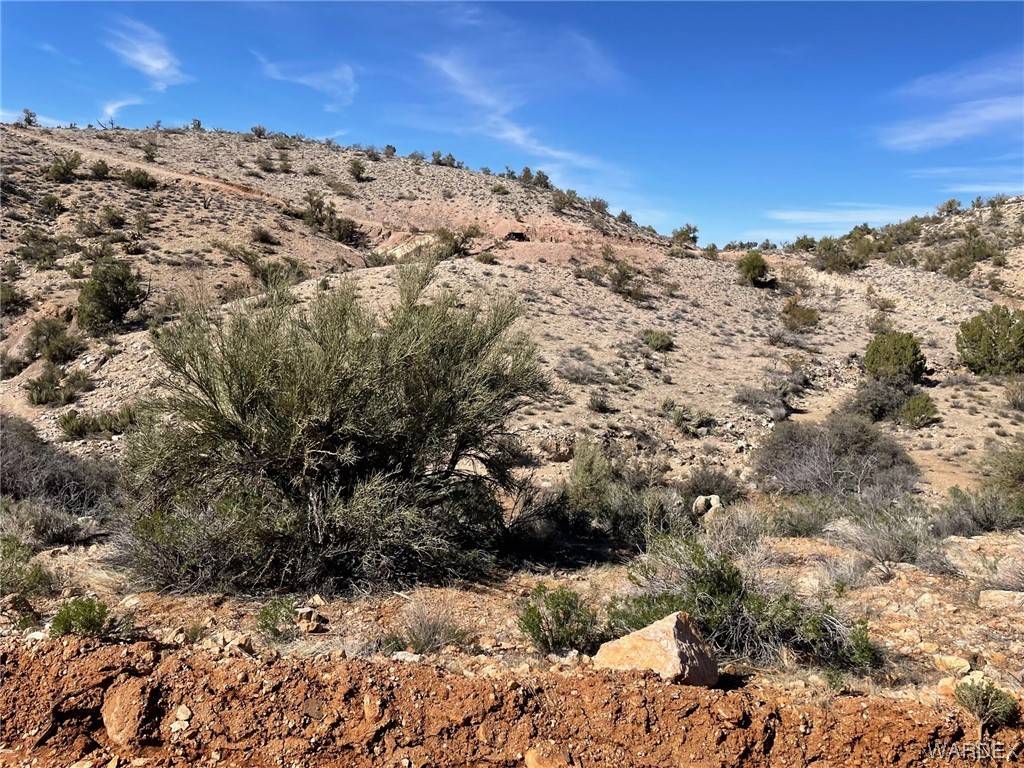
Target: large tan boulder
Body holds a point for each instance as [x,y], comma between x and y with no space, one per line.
[672,647]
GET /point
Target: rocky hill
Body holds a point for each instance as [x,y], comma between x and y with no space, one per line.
[680,365]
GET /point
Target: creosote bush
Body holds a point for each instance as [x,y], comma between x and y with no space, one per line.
[992,342]
[559,620]
[50,339]
[17,571]
[329,445]
[63,167]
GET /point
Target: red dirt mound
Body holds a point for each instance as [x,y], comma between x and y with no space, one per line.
[61,702]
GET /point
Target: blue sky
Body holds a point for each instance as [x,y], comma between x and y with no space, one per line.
[750,120]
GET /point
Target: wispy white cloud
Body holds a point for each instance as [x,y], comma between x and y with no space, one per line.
[494,105]
[831,219]
[54,51]
[998,73]
[144,49]
[338,83]
[844,213]
[979,98]
[111,108]
[990,188]
[962,121]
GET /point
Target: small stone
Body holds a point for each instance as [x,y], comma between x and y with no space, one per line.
[183,713]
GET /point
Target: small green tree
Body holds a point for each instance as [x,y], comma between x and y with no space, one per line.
[753,268]
[895,355]
[992,342]
[112,291]
[685,235]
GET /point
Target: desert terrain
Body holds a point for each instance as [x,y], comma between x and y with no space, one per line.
[673,376]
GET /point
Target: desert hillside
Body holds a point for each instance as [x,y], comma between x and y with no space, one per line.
[813,450]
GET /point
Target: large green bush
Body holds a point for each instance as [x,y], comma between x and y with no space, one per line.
[895,356]
[992,342]
[111,292]
[327,445]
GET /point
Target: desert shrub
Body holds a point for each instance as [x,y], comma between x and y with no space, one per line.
[657,339]
[99,170]
[111,292]
[259,131]
[559,620]
[806,516]
[1014,394]
[275,621]
[798,317]
[111,422]
[63,167]
[948,207]
[357,169]
[263,235]
[992,342]
[55,386]
[17,571]
[84,616]
[49,338]
[833,255]
[59,483]
[111,217]
[805,243]
[390,150]
[741,615]
[450,244]
[878,399]
[51,205]
[327,444]
[888,531]
[12,300]
[685,235]
[990,705]
[43,251]
[708,480]
[627,505]
[752,268]
[137,178]
[840,455]
[919,411]
[562,200]
[895,356]
[969,513]
[426,628]
[598,403]
[628,613]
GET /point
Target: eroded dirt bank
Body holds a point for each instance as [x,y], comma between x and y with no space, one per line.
[63,702]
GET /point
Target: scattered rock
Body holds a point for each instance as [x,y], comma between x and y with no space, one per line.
[672,647]
[951,665]
[124,710]
[1000,599]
